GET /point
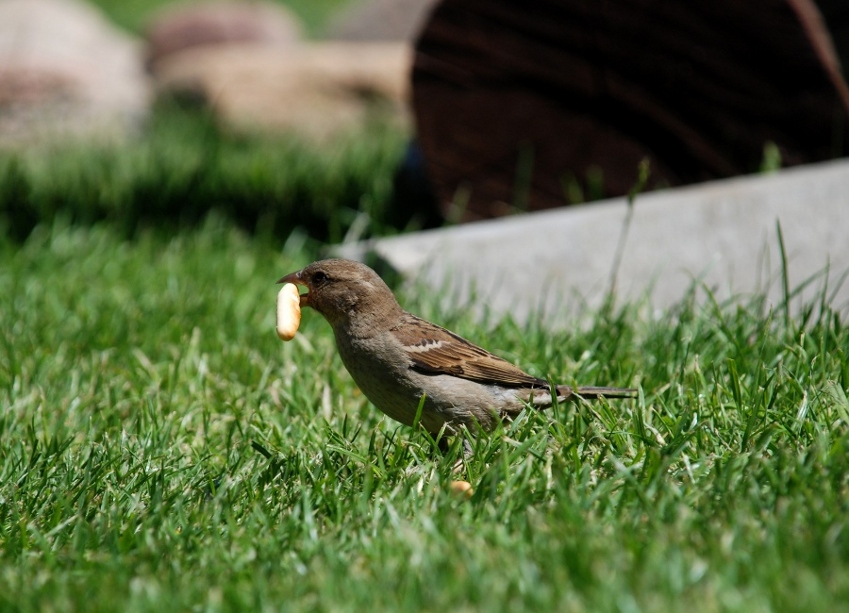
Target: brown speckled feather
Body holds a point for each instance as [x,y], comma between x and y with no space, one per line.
[435,350]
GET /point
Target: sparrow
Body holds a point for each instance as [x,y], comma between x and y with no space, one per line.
[397,359]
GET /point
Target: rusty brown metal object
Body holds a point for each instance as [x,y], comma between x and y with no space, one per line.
[516,103]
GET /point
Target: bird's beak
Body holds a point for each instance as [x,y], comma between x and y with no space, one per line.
[295,277]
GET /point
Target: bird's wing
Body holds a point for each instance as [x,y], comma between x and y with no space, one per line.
[434,350]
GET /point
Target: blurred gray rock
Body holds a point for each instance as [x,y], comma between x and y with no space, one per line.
[67,73]
[178,27]
[399,20]
[720,235]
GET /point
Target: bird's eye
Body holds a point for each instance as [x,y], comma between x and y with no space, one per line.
[320,277]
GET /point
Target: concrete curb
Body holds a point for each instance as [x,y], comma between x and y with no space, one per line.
[724,233]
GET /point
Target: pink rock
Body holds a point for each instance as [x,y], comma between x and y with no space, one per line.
[184,26]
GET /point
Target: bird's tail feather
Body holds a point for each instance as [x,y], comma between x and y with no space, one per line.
[591,392]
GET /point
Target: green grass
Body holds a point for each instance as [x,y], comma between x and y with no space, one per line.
[161,450]
[134,15]
[183,166]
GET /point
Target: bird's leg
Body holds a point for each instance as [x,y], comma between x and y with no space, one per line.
[444,445]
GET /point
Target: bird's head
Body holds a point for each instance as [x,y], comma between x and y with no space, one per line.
[348,294]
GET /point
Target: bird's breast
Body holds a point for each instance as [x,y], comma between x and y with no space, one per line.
[379,372]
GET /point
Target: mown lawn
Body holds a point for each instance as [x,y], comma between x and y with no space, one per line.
[160,450]
[134,15]
[183,165]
